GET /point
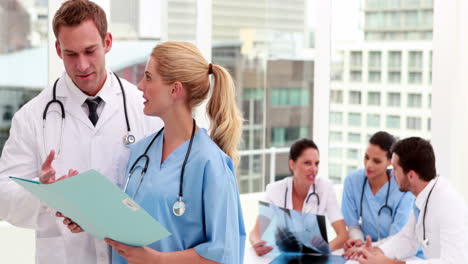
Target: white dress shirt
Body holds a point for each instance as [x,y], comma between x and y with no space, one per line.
[276,192]
[446,228]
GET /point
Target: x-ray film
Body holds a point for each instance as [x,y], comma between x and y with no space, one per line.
[299,258]
[292,231]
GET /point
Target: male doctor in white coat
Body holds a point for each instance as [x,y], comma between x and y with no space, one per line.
[92,133]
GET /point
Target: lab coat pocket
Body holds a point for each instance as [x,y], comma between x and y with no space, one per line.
[50,250]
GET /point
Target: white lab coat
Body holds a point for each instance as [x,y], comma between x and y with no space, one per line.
[84,147]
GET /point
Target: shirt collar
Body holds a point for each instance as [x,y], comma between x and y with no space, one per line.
[81,97]
[422,196]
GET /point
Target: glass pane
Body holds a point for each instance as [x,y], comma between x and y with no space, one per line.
[354,119]
[23,57]
[386,52]
[373,98]
[373,120]
[263,47]
[393,122]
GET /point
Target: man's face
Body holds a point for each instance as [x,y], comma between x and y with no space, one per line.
[400,176]
[83,53]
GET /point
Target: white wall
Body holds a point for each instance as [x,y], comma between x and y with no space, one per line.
[16,245]
[450,92]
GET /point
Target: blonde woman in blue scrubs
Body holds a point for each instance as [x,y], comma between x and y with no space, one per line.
[208,227]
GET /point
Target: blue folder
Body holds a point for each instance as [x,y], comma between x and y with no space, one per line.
[99,207]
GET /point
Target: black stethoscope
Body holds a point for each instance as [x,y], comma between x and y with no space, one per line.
[313,193]
[128,139]
[385,206]
[425,241]
[179,206]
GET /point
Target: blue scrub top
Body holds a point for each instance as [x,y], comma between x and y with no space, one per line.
[400,202]
[212,224]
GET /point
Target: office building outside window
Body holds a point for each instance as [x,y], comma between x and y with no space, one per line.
[393,99]
[355,97]
[373,120]
[373,98]
[393,122]
[414,123]
[414,100]
[336,96]
[354,119]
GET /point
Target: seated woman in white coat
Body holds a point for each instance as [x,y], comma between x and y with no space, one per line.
[303,191]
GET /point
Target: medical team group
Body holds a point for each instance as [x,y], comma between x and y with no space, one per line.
[380,220]
[184,176]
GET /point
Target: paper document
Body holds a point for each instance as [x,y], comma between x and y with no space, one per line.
[99,207]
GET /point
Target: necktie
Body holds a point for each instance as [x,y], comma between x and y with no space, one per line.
[92,106]
[416,212]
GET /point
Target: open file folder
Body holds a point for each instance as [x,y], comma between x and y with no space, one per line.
[99,207]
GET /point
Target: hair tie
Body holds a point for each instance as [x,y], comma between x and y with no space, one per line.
[210,69]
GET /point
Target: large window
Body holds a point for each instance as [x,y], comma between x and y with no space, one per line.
[23,47]
[265,50]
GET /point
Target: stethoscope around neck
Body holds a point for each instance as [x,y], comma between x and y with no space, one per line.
[385,206]
[128,139]
[179,206]
[313,193]
[425,241]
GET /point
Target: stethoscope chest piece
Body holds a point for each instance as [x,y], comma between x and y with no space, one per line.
[425,243]
[179,207]
[129,139]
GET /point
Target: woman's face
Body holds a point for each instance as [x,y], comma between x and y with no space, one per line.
[157,94]
[305,168]
[376,161]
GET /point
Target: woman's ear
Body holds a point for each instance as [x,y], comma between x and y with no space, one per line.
[178,90]
[292,165]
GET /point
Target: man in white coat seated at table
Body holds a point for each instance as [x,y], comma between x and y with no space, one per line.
[439,222]
[99,110]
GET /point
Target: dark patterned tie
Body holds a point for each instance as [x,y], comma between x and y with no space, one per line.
[92,106]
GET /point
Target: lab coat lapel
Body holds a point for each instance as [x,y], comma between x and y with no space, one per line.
[112,96]
[72,104]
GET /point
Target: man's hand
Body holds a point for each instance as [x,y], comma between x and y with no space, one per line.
[261,248]
[74,227]
[352,243]
[47,175]
[356,251]
[375,257]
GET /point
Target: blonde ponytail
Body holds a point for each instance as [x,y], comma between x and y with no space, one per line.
[183,62]
[226,121]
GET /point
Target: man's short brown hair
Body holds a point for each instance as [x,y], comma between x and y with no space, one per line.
[74,12]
